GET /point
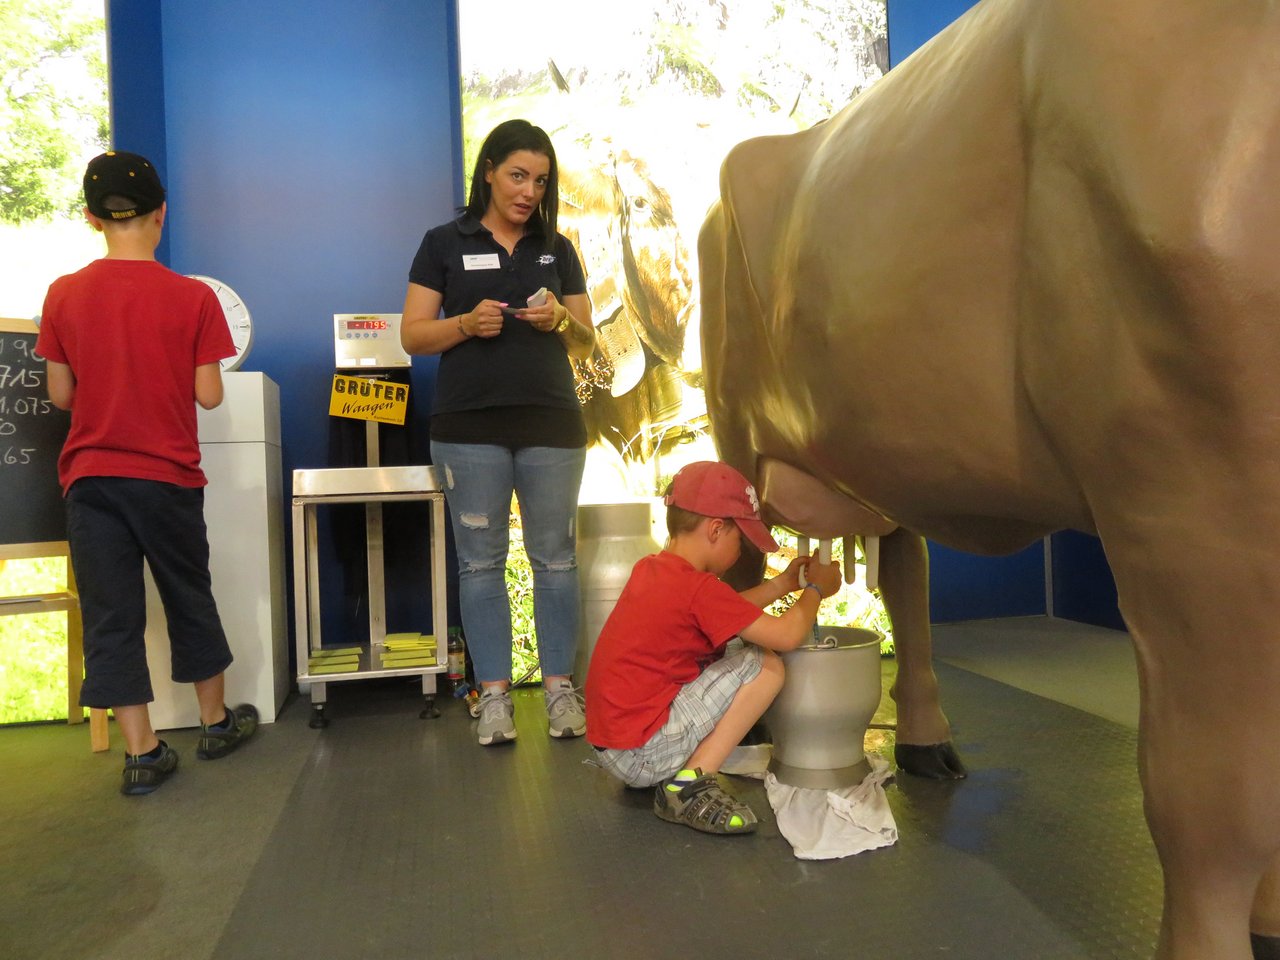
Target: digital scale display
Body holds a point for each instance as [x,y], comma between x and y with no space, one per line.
[368,340]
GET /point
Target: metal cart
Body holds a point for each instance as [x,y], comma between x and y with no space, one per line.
[372,486]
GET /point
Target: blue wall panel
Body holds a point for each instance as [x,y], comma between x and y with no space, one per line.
[912,23]
[136,69]
[1083,588]
[309,147]
[963,586]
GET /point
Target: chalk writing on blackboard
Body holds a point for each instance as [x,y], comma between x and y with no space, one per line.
[32,431]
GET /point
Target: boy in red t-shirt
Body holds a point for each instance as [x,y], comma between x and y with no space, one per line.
[131,347]
[666,703]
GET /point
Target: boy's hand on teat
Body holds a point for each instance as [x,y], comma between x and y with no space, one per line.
[824,576]
[789,579]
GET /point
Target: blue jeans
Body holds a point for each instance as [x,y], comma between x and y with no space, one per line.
[479,481]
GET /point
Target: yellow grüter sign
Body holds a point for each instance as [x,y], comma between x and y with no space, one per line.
[364,398]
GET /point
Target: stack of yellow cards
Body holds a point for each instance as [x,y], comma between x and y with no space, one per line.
[334,660]
[408,650]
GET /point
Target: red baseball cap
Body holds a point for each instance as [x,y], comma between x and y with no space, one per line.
[714,489]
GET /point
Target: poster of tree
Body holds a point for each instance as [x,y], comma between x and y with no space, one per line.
[53,119]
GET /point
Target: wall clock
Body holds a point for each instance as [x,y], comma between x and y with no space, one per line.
[238,320]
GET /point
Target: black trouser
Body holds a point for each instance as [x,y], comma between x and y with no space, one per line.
[112,524]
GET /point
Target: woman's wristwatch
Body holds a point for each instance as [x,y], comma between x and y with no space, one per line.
[563,325]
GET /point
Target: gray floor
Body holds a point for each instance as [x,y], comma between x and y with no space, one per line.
[1085,667]
[385,837]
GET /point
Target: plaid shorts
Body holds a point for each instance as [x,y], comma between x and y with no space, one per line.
[695,711]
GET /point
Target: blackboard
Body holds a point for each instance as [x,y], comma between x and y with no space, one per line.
[31,434]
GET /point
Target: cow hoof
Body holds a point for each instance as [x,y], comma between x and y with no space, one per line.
[1265,948]
[938,761]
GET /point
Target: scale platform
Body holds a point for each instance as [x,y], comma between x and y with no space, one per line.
[371,486]
[363,482]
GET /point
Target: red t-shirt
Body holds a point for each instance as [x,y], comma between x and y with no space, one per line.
[133,333]
[670,622]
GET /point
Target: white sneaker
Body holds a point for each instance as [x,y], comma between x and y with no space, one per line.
[497,717]
[566,713]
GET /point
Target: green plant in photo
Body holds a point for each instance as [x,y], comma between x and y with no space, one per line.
[524,636]
[53,105]
[33,647]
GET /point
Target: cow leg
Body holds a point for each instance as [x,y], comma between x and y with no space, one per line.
[1206,756]
[1203,830]
[923,744]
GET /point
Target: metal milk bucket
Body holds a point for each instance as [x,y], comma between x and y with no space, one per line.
[819,720]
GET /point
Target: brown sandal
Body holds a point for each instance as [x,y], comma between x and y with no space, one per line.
[702,804]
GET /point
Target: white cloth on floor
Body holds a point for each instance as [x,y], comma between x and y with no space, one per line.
[827,824]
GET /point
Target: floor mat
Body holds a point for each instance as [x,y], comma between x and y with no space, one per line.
[405,839]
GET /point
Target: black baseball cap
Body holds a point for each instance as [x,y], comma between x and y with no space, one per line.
[121,174]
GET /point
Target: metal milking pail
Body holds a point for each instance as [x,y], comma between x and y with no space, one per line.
[611,538]
[818,722]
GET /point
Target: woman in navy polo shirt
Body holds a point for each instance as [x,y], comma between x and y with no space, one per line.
[505,416]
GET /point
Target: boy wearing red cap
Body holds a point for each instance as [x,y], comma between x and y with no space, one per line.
[131,347]
[666,703]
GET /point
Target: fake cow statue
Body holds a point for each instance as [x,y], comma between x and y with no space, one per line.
[1031,281]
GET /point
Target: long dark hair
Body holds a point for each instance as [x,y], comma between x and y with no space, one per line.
[503,140]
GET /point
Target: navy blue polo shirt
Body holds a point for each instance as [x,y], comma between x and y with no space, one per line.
[515,389]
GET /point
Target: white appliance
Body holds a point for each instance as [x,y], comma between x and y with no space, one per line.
[244,513]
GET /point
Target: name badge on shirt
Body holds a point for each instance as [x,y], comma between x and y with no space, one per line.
[481,261]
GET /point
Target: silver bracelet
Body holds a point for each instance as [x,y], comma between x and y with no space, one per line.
[816,589]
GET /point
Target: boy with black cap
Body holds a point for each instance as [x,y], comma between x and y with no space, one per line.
[666,703]
[131,347]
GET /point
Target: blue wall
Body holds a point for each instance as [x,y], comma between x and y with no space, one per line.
[1083,588]
[963,586]
[306,149]
[912,23]
[137,85]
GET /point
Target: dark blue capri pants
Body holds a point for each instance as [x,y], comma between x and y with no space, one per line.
[112,524]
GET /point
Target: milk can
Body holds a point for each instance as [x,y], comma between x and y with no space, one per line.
[611,538]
